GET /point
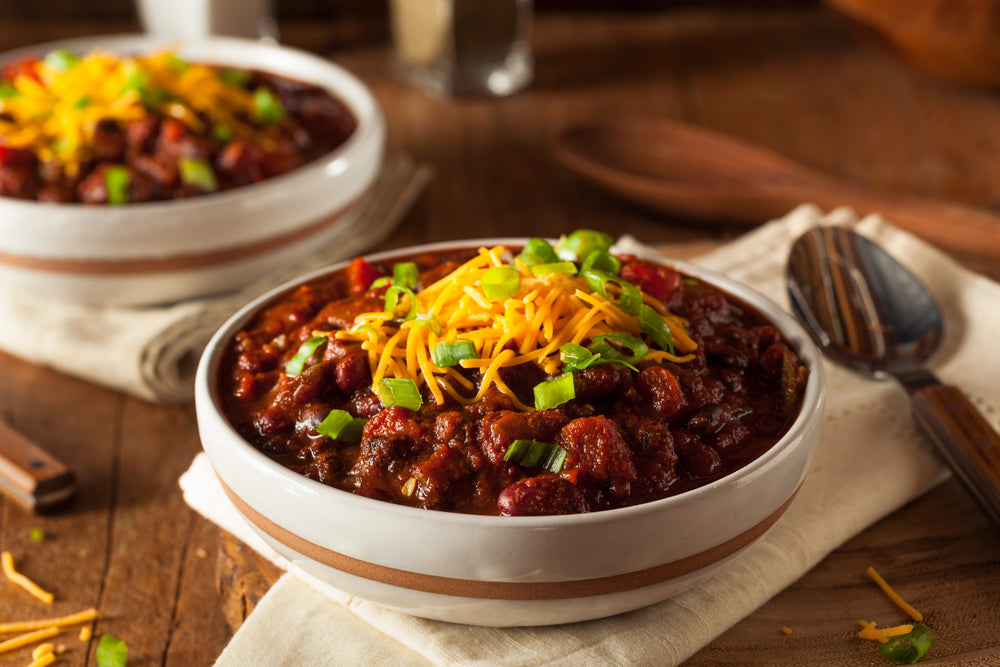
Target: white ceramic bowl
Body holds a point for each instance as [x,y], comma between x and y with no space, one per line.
[164,251]
[502,571]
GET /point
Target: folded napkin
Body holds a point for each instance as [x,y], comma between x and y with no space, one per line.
[869,462]
[152,352]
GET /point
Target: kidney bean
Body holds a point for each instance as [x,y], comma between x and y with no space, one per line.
[545,494]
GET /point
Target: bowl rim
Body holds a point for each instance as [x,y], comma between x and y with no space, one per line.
[369,116]
[207,400]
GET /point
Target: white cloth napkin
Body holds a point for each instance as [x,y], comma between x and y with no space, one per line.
[870,461]
[152,352]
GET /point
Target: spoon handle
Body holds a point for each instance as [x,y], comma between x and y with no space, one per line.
[31,476]
[965,439]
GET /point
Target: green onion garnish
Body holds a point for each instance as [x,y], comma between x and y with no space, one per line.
[581,243]
[908,648]
[267,107]
[568,268]
[538,251]
[535,454]
[297,363]
[500,283]
[399,391]
[7,91]
[380,282]
[61,60]
[116,182]
[236,77]
[630,300]
[392,302]
[652,324]
[635,345]
[82,102]
[601,260]
[554,392]
[341,425]
[111,652]
[175,64]
[449,353]
[197,173]
[222,132]
[405,274]
[576,357]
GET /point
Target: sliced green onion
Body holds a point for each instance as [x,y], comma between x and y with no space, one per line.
[568,268]
[554,392]
[392,302]
[449,353]
[399,391]
[267,107]
[430,320]
[138,80]
[236,77]
[535,454]
[635,345]
[176,64]
[581,243]
[111,652]
[601,260]
[61,60]
[8,91]
[116,182]
[538,251]
[500,283]
[82,102]
[908,648]
[652,324]
[222,132]
[297,363]
[576,357]
[405,274]
[689,281]
[342,425]
[630,300]
[380,282]
[197,173]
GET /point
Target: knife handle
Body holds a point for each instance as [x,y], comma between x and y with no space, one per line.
[31,476]
[965,440]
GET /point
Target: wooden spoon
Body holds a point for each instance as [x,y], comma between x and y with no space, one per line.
[684,170]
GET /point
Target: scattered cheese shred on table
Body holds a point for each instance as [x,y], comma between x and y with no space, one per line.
[85,634]
[786,630]
[28,638]
[900,602]
[62,621]
[43,650]
[43,661]
[882,635]
[24,582]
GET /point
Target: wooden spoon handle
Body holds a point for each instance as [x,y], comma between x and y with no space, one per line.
[31,476]
[965,440]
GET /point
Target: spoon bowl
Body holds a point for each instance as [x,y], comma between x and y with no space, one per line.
[868,312]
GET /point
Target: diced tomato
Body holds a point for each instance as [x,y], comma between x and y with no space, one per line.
[171,130]
[360,275]
[657,281]
[27,67]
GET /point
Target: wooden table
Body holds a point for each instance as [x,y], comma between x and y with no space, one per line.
[795,81]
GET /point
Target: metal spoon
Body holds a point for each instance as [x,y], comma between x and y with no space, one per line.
[867,311]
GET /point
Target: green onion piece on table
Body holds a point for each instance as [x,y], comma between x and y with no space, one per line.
[401,392]
[449,353]
[581,243]
[267,107]
[394,301]
[652,324]
[116,182]
[535,454]
[61,60]
[554,392]
[908,648]
[405,274]
[500,283]
[342,425]
[630,300]
[111,652]
[197,173]
[567,268]
[297,363]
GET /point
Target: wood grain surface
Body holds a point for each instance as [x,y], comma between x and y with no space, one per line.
[794,81]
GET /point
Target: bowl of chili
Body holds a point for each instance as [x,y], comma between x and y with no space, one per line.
[511,431]
[136,171]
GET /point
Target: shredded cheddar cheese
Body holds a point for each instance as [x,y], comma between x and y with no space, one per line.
[55,112]
[528,327]
[24,582]
[900,602]
[58,622]
[882,635]
[28,638]
[43,661]
[85,634]
[43,650]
